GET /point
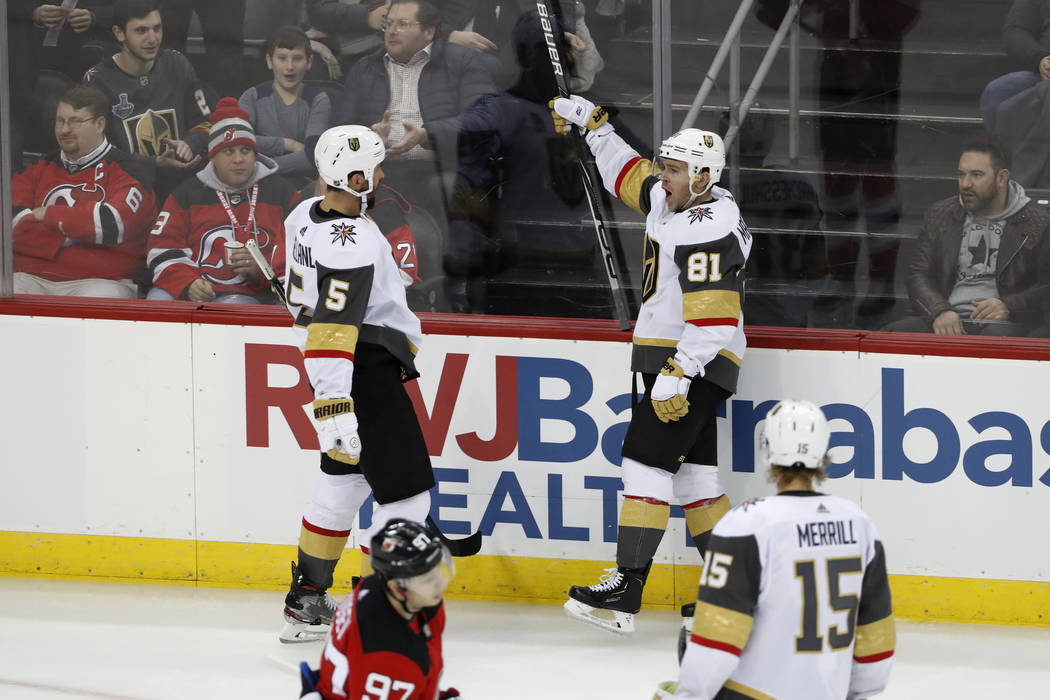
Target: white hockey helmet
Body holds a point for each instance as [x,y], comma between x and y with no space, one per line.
[700,149]
[796,434]
[347,149]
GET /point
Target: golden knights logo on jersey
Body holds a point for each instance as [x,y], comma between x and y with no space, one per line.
[148,131]
[650,268]
[341,233]
[699,214]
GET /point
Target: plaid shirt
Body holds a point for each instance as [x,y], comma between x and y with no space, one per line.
[404,99]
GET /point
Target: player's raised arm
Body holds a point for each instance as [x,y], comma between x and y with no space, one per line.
[624,172]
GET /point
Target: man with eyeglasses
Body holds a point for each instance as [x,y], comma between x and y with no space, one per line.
[82,214]
[413,91]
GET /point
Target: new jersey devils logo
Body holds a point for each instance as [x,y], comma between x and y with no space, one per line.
[211,258]
[75,195]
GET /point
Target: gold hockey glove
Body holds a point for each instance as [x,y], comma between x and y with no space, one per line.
[337,429]
[669,392]
[576,110]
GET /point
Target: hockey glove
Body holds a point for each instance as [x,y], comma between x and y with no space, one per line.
[669,392]
[337,429]
[576,110]
[666,690]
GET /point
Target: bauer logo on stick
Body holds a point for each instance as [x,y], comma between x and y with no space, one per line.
[548,37]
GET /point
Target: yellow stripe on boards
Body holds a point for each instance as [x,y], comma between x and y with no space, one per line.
[488,577]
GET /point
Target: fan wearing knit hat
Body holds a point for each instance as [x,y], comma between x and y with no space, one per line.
[234,199]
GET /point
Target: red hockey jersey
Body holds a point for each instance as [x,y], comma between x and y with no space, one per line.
[189,239]
[373,653]
[96,221]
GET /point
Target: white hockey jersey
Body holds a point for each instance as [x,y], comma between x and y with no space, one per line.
[344,288]
[693,276]
[794,604]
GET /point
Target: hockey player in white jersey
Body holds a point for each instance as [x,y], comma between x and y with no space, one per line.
[794,601]
[359,340]
[688,345]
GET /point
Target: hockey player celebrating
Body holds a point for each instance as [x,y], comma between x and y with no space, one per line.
[688,345]
[386,639]
[359,340]
[794,601]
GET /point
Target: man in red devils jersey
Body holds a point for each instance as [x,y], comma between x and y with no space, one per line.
[236,198]
[359,340]
[81,214]
[688,344]
[385,641]
[794,601]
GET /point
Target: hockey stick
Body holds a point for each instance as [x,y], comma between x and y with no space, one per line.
[253,249]
[612,262]
[468,546]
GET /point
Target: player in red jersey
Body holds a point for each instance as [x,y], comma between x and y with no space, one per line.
[385,640]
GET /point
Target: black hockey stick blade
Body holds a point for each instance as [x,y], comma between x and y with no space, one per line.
[547,10]
[466,547]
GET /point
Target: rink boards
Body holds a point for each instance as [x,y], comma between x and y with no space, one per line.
[162,449]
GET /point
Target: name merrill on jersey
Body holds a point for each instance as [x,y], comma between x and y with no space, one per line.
[825,533]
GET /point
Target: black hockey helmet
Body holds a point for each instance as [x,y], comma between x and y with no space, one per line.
[404,548]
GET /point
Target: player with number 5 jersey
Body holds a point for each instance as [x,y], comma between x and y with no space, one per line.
[688,345]
[359,341]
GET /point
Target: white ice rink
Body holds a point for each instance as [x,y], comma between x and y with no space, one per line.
[74,639]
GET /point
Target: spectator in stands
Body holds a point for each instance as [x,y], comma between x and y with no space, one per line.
[343,32]
[861,65]
[160,107]
[493,23]
[222,24]
[412,92]
[82,214]
[287,116]
[1026,35]
[514,170]
[982,258]
[236,198]
[66,39]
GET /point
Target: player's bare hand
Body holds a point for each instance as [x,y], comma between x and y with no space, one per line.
[1044,68]
[200,290]
[80,20]
[472,40]
[382,128]
[414,136]
[948,323]
[376,16]
[577,47]
[990,310]
[48,16]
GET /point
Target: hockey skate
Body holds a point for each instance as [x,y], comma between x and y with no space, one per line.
[619,592]
[308,612]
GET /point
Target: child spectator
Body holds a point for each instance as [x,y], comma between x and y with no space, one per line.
[287,115]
